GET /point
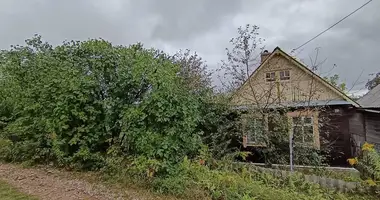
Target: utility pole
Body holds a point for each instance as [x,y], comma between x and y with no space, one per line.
[291,151]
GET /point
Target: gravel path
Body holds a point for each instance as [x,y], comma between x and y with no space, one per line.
[54,185]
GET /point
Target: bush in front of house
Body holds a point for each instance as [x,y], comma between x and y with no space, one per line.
[368,164]
[70,103]
[206,178]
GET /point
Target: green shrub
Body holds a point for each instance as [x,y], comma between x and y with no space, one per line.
[70,103]
[202,180]
[368,164]
[239,184]
[5,149]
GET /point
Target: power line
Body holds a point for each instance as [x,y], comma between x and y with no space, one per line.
[332,25]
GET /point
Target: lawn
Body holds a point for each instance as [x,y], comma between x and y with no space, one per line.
[8,192]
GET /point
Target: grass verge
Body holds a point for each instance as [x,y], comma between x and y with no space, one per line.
[223,181]
[8,192]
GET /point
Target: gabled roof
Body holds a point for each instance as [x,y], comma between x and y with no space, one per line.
[371,99]
[303,67]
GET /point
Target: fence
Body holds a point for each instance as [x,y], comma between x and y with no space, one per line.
[330,183]
[335,184]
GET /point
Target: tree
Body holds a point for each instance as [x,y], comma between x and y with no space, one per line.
[193,70]
[334,80]
[373,82]
[243,58]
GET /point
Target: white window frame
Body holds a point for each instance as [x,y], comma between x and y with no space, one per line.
[285,75]
[303,125]
[255,140]
[271,77]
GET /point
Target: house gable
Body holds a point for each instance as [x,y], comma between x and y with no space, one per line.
[293,82]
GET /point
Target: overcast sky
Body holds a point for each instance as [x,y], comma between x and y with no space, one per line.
[206,26]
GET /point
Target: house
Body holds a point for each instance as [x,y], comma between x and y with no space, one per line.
[368,118]
[314,109]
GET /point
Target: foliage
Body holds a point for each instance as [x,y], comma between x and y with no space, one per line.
[6,111]
[368,163]
[164,127]
[70,103]
[242,58]
[207,178]
[220,126]
[373,82]
[5,149]
[334,80]
[218,123]
[193,71]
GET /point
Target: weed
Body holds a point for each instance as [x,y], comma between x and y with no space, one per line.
[8,192]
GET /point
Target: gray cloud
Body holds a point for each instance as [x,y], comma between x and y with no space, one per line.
[71,19]
[183,20]
[206,27]
[351,45]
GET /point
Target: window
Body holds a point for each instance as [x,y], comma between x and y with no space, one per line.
[255,131]
[285,75]
[270,76]
[303,129]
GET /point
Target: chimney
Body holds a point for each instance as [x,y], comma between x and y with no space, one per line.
[264,55]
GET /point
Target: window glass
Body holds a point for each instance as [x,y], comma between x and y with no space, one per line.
[297,134]
[255,130]
[308,134]
[282,73]
[285,75]
[270,76]
[297,120]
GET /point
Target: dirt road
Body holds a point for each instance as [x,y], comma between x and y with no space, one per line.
[54,185]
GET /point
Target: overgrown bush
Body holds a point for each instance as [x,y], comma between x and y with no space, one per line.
[212,179]
[5,149]
[220,126]
[71,102]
